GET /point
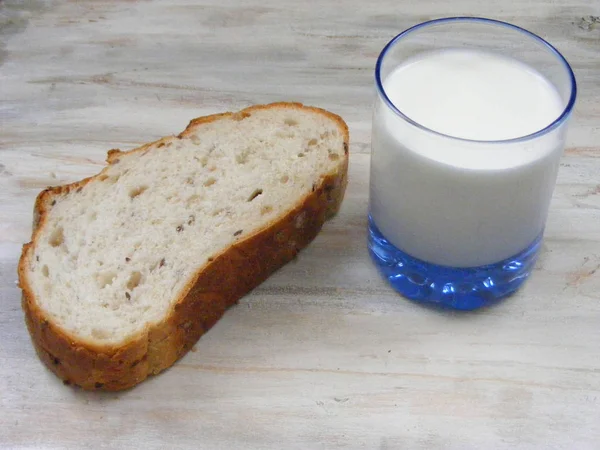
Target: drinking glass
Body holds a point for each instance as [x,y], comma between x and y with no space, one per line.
[462,236]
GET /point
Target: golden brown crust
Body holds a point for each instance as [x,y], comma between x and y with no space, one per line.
[217,285]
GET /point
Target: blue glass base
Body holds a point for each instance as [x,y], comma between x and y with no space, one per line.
[458,288]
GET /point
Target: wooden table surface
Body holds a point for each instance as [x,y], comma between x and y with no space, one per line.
[324,354]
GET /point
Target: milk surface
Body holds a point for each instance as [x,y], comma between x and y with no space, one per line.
[454,202]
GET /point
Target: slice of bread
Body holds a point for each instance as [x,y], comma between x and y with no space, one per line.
[127,269]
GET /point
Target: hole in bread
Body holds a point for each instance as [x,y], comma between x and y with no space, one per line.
[266,209]
[106,279]
[284,179]
[238,232]
[102,177]
[312,142]
[189,180]
[97,333]
[45,271]
[203,161]
[324,135]
[133,193]
[216,212]
[191,220]
[242,158]
[57,237]
[134,280]
[301,155]
[193,199]
[174,198]
[334,156]
[255,194]
[284,134]
[291,122]
[195,139]
[210,181]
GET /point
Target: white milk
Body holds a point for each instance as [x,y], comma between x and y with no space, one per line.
[453,202]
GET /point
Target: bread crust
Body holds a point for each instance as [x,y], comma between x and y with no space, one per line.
[217,284]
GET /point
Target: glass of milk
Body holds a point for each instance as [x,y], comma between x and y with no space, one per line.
[469,125]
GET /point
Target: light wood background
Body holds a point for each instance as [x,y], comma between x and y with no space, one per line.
[323,355]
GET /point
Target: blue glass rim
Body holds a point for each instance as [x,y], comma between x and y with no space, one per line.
[556,123]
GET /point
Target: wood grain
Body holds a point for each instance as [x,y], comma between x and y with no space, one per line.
[324,354]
